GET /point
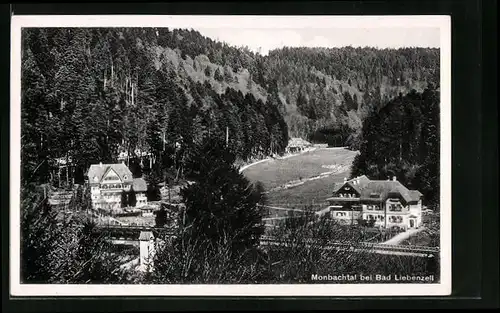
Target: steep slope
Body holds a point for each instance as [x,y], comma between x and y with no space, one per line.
[90,93]
[324,93]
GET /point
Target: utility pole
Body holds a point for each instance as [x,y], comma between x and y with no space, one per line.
[385,213]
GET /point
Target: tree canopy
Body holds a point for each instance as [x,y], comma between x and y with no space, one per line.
[89,94]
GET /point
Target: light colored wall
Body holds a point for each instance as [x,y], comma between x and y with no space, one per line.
[416,209]
[404,223]
[373,210]
[388,204]
[147,251]
[377,215]
[346,217]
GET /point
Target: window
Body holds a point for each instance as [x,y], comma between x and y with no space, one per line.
[396,219]
[395,207]
[112,177]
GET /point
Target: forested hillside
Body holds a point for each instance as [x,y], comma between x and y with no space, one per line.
[329,92]
[324,93]
[88,94]
[402,139]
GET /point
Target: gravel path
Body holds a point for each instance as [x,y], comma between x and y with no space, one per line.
[402,236]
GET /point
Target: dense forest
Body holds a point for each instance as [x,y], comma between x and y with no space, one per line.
[89,94]
[402,139]
[197,107]
[324,93]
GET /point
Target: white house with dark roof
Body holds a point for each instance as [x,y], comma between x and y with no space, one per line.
[297,145]
[387,202]
[107,181]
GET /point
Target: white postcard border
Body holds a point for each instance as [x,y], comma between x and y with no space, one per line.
[441,22]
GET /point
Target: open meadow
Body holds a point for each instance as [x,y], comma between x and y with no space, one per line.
[311,193]
[278,172]
[304,179]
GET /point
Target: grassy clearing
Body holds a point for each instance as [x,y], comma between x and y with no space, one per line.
[137,220]
[278,172]
[269,212]
[312,193]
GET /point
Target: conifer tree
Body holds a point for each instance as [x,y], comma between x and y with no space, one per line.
[222,202]
[124,199]
[132,199]
[218,75]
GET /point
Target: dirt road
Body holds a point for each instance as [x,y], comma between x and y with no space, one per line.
[396,240]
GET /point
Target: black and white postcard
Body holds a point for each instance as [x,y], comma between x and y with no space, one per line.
[230,155]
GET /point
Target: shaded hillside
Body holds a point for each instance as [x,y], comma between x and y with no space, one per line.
[324,93]
[90,93]
[402,140]
[331,91]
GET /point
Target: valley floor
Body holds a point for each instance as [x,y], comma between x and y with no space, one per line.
[302,179]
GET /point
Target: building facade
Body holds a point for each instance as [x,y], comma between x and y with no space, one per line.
[381,203]
[297,145]
[107,181]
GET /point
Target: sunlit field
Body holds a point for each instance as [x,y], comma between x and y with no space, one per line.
[277,172]
[302,172]
[311,193]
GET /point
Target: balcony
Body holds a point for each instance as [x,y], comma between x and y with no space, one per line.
[117,189]
[342,199]
[344,208]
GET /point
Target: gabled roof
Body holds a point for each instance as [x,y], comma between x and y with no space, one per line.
[357,183]
[100,170]
[415,194]
[379,189]
[139,184]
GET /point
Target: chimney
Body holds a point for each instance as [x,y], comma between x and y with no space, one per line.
[100,164]
[345,179]
[393,178]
